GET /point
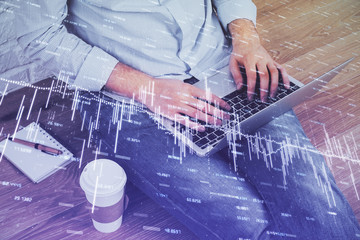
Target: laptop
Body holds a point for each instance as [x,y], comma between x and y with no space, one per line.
[246,116]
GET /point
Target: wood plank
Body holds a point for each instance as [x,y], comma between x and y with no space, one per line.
[278,12]
[10,178]
[330,112]
[45,200]
[76,222]
[298,35]
[316,62]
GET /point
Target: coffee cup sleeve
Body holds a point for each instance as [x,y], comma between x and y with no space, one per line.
[111,213]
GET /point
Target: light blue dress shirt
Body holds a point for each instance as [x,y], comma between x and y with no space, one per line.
[163,38]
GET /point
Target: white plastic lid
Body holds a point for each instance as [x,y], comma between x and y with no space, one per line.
[111,177]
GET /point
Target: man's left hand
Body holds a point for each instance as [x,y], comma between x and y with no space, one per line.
[250,54]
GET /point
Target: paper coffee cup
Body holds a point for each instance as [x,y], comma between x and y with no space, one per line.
[103,182]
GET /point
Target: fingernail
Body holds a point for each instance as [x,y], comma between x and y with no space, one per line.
[218,122]
[226,116]
[201,129]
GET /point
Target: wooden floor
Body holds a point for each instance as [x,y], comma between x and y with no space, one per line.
[307,37]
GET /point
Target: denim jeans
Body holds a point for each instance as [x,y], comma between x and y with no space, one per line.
[271,184]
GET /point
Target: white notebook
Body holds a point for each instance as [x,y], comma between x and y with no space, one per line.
[34,163]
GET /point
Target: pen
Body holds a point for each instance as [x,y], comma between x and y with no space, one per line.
[43,148]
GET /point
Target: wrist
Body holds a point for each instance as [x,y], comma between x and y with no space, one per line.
[128,81]
[243,30]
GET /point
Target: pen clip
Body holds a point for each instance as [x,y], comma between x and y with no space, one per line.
[50,153]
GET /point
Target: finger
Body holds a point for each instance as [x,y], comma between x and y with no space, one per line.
[274,79]
[181,114]
[251,79]
[208,119]
[184,120]
[235,72]
[199,93]
[264,82]
[207,113]
[173,108]
[214,111]
[202,116]
[203,106]
[284,75]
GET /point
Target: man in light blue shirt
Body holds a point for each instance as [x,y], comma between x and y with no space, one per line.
[141,42]
[143,49]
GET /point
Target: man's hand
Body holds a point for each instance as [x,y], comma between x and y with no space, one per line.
[178,101]
[249,53]
[170,98]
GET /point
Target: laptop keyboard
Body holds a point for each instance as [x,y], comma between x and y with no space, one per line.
[242,109]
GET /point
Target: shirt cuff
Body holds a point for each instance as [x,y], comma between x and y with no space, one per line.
[228,11]
[96,70]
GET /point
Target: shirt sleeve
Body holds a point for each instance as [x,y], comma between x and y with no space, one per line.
[44,39]
[229,10]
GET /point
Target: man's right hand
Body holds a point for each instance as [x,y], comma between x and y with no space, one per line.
[170,98]
[178,101]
